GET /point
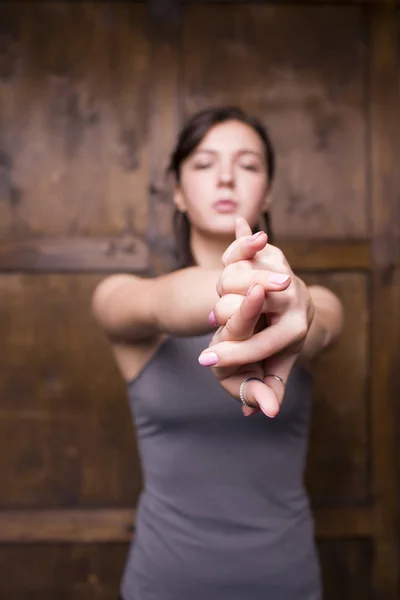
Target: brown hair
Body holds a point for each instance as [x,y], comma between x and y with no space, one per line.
[190,137]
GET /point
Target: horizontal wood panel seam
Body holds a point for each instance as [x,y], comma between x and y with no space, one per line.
[132,255]
[116,525]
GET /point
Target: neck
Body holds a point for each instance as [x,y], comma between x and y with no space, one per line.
[207,250]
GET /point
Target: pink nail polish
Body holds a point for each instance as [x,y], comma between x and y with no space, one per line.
[208,359]
[255,236]
[278,278]
[211,318]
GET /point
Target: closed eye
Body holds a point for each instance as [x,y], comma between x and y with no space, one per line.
[199,166]
[254,168]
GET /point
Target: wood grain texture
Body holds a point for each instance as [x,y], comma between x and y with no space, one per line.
[91,571]
[127,253]
[131,254]
[73,119]
[65,428]
[301,70]
[91,525]
[91,98]
[62,572]
[338,471]
[346,569]
[385,212]
[164,18]
[105,525]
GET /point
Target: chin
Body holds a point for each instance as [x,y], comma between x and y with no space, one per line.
[223,225]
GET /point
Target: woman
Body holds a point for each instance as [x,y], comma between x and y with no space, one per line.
[223,514]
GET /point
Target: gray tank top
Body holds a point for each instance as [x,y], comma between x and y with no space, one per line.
[223,514]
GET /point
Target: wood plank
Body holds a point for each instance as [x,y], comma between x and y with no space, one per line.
[338,459]
[385,372]
[127,253]
[68,525]
[300,69]
[164,27]
[131,254]
[102,525]
[74,119]
[93,571]
[346,569]
[61,571]
[66,434]
[344,522]
[326,255]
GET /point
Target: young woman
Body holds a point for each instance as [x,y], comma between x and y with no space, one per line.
[223,514]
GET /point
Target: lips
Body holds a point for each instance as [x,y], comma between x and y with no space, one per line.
[225,206]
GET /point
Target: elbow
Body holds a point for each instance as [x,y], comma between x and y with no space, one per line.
[332,314]
[100,304]
[105,300]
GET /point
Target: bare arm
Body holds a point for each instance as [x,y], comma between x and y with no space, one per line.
[130,308]
[327,323]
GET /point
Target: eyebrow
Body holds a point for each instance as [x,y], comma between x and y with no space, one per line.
[241,151]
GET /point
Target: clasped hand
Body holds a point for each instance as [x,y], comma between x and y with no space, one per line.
[263,315]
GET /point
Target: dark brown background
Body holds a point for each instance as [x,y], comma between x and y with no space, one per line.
[91,98]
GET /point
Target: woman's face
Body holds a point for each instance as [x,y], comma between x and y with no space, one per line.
[224,177]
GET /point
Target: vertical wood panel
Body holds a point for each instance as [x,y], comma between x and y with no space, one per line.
[74,119]
[61,572]
[165,64]
[338,465]
[346,568]
[385,152]
[301,70]
[65,429]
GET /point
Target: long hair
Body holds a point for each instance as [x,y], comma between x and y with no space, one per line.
[190,137]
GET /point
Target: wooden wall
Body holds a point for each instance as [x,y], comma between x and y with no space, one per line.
[91,98]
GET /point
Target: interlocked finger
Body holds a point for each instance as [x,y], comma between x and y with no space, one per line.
[241,325]
[239,277]
[289,331]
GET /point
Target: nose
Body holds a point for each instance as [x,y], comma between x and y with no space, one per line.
[226,174]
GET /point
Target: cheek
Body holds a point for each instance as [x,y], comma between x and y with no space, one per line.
[197,193]
[254,192]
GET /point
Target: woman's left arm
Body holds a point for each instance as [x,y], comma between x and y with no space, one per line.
[327,323]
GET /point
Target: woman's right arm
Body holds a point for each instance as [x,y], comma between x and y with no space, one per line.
[131,308]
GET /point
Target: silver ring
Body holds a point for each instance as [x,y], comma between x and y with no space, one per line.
[276,377]
[241,391]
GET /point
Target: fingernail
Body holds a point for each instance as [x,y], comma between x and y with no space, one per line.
[211,318]
[255,236]
[208,359]
[278,278]
[268,414]
[250,288]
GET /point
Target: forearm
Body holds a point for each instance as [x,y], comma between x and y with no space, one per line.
[182,301]
[326,325]
[131,308]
